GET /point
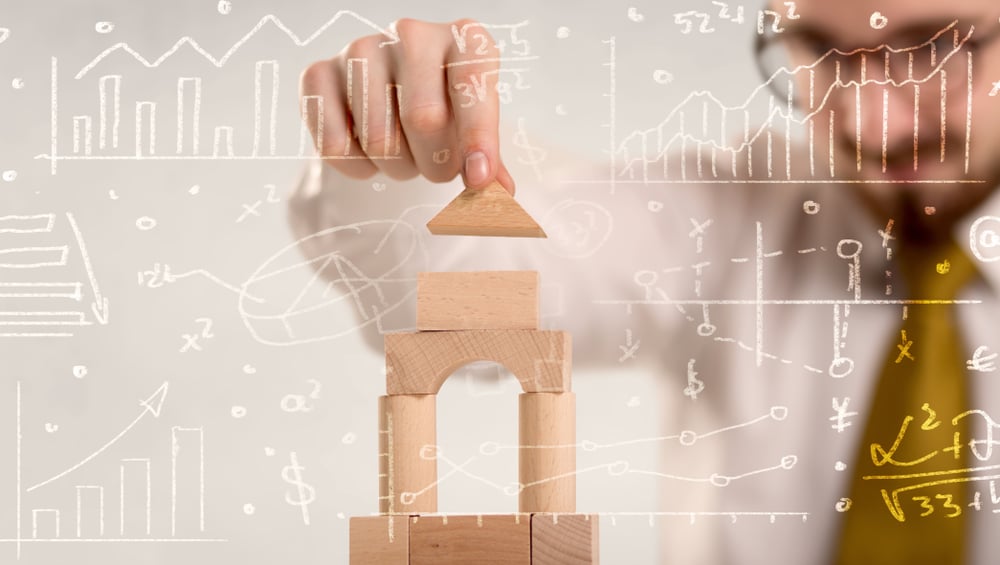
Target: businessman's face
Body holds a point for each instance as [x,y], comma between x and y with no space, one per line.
[926,110]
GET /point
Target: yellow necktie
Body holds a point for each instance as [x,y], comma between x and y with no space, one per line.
[906,508]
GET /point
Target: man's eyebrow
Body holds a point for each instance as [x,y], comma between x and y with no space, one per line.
[914,32]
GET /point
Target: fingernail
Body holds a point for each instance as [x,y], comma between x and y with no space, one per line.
[477,168]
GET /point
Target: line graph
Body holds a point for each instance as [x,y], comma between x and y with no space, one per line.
[696,141]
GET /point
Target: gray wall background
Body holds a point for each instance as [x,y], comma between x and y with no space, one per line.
[75,402]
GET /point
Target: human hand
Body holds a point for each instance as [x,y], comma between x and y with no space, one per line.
[408,118]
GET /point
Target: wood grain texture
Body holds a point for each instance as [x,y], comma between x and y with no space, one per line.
[490,211]
[466,540]
[547,456]
[565,539]
[380,540]
[479,300]
[407,474]
[420,362]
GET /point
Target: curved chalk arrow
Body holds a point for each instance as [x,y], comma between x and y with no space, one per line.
[152,405]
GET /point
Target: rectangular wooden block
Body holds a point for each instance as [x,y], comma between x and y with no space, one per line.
[380,540]
[420,362]
[463,540]
[480,300]
[565,539]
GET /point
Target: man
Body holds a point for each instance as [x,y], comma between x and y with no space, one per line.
[894,161]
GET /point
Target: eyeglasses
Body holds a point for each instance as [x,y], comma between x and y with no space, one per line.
[786,59]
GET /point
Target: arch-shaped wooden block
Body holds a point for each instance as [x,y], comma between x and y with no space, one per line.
[420,362]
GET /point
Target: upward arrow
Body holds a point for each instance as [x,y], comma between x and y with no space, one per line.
[152,405]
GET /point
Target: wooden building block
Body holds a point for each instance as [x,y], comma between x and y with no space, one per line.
[466,540]
[380,540]
[547,456]
[490,211]
[484,300]
[420,362]
[407,462]
[565,539]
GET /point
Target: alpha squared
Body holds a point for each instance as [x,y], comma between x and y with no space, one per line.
[420,362]
[478,300]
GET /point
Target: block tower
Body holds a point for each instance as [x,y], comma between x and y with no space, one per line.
[461,318]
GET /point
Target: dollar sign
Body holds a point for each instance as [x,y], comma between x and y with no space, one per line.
[694,386]
[535,155]
[292,474]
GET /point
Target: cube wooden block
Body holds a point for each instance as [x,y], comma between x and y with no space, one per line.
[380,540]
[565,539]
[420,362]
[464,540]
[481,300]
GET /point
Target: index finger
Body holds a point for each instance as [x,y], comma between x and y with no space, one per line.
[473,68]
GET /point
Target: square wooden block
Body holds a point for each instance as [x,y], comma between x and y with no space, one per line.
[463,540]
[380,540]
[565,539]
[480,300]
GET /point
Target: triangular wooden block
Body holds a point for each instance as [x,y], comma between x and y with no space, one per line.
[490,211]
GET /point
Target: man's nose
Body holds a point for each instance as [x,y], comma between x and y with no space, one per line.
[880,119]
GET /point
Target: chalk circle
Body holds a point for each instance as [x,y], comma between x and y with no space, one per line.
[4,34]
[430,452]
[225,7]
[249,369]
[513,489]
[779,413]
[718,480]
[878,21]
[788,461]
[645,278]
[104,27]
[577,229]
[988,239]
[249,509]
[489,448]
[562,32]
[843,505]
[238,412]
[79,371]
[930,210]
[588,445]
[811,207]
[687,438]
[654,206]
[441,156]
[706,330]
[145,223]
[842,248]
[269,451]
[839,466]
[662,77]
[561,110]
[841,367]
[349,438]
[407,498]
[17,83]
[618,468]
[9,176]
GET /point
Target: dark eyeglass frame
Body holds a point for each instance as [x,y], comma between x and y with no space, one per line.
[770,38]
